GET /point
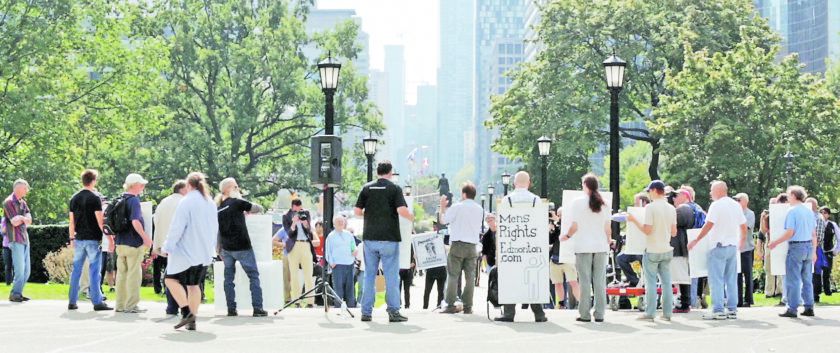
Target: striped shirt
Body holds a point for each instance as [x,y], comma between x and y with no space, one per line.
[14,207]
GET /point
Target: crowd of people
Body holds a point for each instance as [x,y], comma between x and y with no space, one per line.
[192,230]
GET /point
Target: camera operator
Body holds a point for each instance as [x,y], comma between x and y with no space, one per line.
[301,246]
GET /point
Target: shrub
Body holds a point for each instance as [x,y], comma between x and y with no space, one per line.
[59,265]
[44,240]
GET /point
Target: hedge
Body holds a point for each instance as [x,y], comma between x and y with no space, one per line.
[43,240]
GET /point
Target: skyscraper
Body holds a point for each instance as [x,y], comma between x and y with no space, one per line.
[532,20]
[455,85]
[394,113]
[805,26]
[500,44]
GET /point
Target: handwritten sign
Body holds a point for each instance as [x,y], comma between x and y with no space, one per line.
[523,253]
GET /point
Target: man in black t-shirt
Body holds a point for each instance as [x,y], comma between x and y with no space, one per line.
[235,243]
[86,224]
[381,202]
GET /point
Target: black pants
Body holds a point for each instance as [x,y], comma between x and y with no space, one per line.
[745,279]
[685,296]
[158,268]
[8,270]
[434,276]
[826,275]
[509,310]
[406,278]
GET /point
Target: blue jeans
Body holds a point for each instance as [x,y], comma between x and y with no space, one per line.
[658,264]
[90,250]
[248,261]
[723,277]
[361,281]
[388,253]
[799,272]
[342,276]
[625,264]
[20,262]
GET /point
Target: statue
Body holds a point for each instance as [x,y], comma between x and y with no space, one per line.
[443,185]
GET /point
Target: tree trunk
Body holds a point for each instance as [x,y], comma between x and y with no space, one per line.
[653,168]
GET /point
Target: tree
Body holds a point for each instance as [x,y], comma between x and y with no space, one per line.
[563,94]
[634,161]
[733,115]
[244,98]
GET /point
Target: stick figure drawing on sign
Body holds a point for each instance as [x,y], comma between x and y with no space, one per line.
[532,277]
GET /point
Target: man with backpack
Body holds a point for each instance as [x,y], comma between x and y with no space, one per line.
[125,219]
[686,214]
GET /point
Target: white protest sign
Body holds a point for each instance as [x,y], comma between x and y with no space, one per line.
[146,210]
[429,251]
[698,258]
[778,256]
[636,241]
[259,230]
[523,253]
[567,248]
[406,228]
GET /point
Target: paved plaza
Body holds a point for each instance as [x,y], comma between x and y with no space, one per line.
[46,326]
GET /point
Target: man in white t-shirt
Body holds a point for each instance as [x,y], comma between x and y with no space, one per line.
[726,227]
[660,225]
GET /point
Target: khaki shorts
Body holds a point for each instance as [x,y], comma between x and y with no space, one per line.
[558,271]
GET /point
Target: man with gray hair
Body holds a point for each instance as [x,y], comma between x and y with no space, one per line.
[726,227]
[800,233]
[17,219]
[745,278]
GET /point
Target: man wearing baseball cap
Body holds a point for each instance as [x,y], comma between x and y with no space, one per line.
[131,246]
[660,225]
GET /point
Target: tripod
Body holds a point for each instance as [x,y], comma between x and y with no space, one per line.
[323,289]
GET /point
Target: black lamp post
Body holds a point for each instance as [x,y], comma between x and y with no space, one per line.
[614,70]
[491,194]
[544,146]
[329,70]
[370,151]
[395,178]
[407,190]
[506,182]
[789,167]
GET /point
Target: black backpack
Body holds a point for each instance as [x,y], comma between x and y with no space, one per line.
[493,287]
[117,217]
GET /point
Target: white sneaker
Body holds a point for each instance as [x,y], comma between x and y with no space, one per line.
[731,315]
[714,316]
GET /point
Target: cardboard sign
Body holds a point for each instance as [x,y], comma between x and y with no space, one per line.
[523,253]
[146,210]
[636,239]
[429,251]
[778,256]
[406,228]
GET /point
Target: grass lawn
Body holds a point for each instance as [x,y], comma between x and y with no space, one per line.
[59,292]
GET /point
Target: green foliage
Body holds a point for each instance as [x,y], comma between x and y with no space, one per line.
[164,88]
[732,116]
[633,163]
[42,241]
[562,94]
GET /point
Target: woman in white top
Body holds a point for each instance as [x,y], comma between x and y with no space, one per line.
[591,228]
[190,247]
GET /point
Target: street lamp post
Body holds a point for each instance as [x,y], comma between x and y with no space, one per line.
[407,190]
[506,182]
[329,70]
[395,178]
[789,167]
[491,193]
[614,70]
[370,151]
[544,146]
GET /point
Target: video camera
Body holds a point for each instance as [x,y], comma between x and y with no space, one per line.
[303,215]
[670,196]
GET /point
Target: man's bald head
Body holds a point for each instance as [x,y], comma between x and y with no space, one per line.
[719,189]
[522,180]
